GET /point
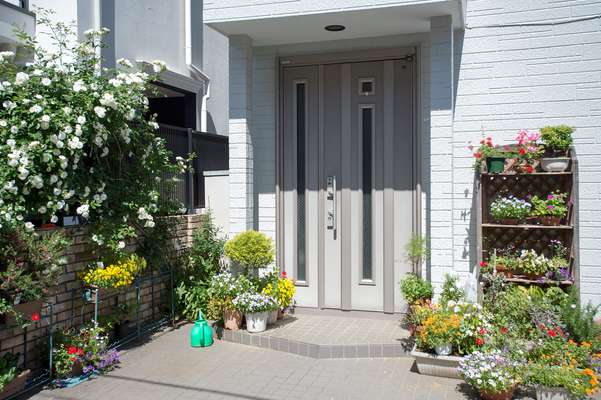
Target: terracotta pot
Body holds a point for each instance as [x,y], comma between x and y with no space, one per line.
[76,369]
[497,396]
[281,314]
[550,221]
[502,269]
[232,319]
[25,309]
[15,386]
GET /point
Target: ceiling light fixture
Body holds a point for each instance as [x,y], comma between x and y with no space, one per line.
[335,28]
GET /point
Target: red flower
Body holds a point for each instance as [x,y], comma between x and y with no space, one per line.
[552,333]
[504,330]
[479,341]
[529,168]
[284,274]
[72,350]
[478,155]
[35,316]
[522,151]
[483,264]
[482,331]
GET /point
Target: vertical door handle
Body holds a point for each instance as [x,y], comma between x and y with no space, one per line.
[331,203]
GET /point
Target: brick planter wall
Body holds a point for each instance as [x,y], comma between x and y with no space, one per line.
[71,310]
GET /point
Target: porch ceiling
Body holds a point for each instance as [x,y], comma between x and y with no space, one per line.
[371,22]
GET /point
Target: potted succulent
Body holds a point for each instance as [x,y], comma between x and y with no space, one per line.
[556,141]
[550,210]
[509,210]
[12,378]
[493,374]
[256,308]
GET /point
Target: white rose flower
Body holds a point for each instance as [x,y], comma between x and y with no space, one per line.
[37,181]
[125,62]
[54,219]
[46,81]
[83,210]
[158,66]
[100,111]
[74,143]
[42,210]
[9,105]
[79,86]
[45,121]
[81,120]
[121,245]
[29,226]
[6,55]
[21,78]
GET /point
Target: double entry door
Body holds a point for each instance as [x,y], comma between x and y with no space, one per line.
[347,182]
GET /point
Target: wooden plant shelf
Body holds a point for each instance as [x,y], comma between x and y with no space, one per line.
[530,174]
[527,226]
[537,282]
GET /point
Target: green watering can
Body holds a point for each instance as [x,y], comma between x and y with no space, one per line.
[201,334]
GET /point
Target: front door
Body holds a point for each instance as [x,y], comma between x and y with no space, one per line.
[347,186]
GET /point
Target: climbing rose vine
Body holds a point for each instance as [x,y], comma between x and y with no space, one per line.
[77,139]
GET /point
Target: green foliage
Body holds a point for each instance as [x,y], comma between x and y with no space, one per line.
[554,205]
[418,250]
[203,262]
[250,249]
[557,139]
[415,289]
[580,319]
[9,369]
[575,381]
[30,264]
[450,291]
[511,309]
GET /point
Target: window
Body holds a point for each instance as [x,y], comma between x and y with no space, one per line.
[367,128]
[367,87]
[301,126]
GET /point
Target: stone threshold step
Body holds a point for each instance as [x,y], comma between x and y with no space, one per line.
[314,350]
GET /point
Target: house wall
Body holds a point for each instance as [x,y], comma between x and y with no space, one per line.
[505,79]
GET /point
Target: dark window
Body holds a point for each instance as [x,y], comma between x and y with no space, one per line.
[366,132]
[301,274]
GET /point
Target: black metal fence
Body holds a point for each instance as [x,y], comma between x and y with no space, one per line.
[211,154]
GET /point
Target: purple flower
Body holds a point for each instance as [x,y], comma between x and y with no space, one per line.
[550,197]
[550,207]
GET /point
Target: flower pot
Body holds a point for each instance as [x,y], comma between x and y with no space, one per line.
[256,322]
[502,269]
[497,396]
[281,313]
[232,319]
[495,165]
[25,309]
[508,221]
[431,364]
[550,220]
[444,350]
[559,164]
[15,386]
[552,393]
[273,317]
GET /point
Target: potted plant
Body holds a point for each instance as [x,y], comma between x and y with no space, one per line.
[115,275]
[418,251]
[554,382]
[556,141]
[251,250]
[509,210]
[552,210]
[256,308]
[12,378]
[439,332]
[282,289]
[492,155]
[531,264]
[415,289]
[493,374]
[528,151]
[223,288]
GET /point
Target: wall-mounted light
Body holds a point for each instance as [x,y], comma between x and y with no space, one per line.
[334,28]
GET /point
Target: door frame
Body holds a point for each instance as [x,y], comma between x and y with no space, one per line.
[320,59]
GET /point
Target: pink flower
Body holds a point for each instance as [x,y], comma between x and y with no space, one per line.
[550,197]
[550,207]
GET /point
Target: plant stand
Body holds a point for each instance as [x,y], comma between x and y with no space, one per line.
[15,386]
[431,364]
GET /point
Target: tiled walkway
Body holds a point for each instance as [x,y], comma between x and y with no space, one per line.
[167,368]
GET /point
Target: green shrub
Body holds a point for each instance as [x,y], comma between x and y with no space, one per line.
[557,139]
[415,289]
[450,291]
[418,250]
[580,319]
[250,249]
[8,368]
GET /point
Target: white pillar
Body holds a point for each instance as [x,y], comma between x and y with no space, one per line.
[240,140]
[441,145]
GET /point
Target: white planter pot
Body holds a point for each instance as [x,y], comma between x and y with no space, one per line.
[552,393]
[558,164]
[273,317]
[444,350]
[431,364]
[256,322]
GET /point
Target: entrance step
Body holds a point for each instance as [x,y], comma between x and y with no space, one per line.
[320,336]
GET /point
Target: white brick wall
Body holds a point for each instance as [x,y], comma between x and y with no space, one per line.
[527,77]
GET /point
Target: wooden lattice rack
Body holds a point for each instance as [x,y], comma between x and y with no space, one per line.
[529,235]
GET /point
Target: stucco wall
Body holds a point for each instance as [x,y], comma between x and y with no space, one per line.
[216,66]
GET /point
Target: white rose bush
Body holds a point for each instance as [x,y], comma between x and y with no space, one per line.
[77,139]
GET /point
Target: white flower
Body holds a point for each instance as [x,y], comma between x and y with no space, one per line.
[46,81]
[115,82]
[11,143]
[100,111]
[9,105]
[74,143]
[21,78]
[56,191]
[45,121]
[29,226]
[79,86]
[105,152]
[83,210]
[67,110]
[153,124]
[149,224]
[121,245]
[14,130]
[54,219]
[42,210]
[3,123]
[130,114]
[158,66]
[81,120]
[108,100]
[98,140]
[37,182]
[125,62]
[5,55]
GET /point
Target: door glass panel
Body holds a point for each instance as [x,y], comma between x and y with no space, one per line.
[366,141]
[300,111]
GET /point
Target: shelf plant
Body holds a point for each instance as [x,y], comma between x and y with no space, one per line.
[556,143]
[118,274]
[491,155]
[509,210]
[550,210]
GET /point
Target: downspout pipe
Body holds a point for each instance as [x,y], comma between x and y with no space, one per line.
[191,57]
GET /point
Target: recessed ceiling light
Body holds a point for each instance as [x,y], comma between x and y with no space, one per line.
[335,28]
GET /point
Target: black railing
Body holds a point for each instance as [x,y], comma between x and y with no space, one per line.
[211,153]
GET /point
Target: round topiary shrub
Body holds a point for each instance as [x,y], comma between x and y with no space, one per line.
[250,249]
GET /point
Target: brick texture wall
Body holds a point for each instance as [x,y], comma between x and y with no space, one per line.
[71,310]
